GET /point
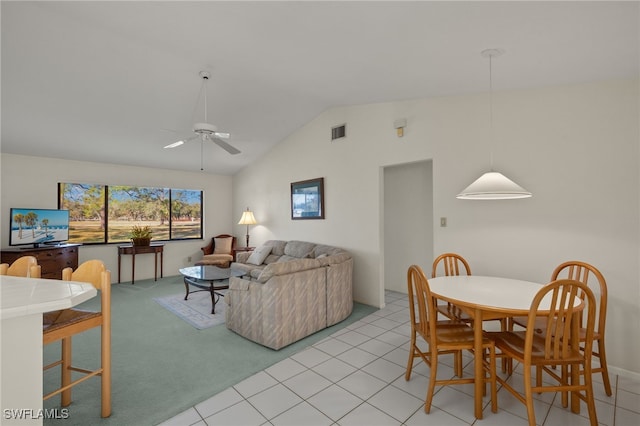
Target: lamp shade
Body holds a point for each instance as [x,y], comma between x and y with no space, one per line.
[493,186]
[247,218]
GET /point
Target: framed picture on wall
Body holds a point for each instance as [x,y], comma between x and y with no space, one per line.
[307,199]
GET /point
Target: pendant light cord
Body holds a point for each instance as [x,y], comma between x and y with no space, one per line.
[491,114]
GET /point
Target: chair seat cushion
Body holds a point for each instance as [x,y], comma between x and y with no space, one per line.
[54,320]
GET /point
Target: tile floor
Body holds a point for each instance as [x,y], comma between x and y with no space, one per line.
[356,377]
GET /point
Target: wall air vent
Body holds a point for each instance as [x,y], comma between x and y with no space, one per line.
[338,132]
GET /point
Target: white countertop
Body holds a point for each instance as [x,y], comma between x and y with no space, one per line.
[26,296]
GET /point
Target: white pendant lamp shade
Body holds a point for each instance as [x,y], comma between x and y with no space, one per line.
[493,186]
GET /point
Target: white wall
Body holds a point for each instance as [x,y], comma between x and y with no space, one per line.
[32,182]
[575,147]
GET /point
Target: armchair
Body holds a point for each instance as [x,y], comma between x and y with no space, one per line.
[219,252]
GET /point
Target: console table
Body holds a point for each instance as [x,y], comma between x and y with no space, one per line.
[154,248]
[51,258]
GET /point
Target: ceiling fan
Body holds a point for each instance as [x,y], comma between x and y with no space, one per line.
[206,131]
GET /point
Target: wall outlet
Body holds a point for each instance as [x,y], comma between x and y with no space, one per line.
[189,259]
[443,222]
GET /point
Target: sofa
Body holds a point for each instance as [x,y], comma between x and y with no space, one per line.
[290,289]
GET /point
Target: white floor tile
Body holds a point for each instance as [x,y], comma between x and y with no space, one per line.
[628,400]
[333,346]
[334,402]
[188,417]
[311,357]
[357,357]
[285,369]
[353,338]
[377,347]
[396,403]
[219,402]
[274,401]
[254,384]
[384,370]
[334,369]
[626,417]
[369,330]
[307,383]
[302,414]
[361,384]
[241,414]
[369,415]
[435,417]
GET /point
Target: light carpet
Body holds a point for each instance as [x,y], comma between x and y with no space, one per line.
[196,310]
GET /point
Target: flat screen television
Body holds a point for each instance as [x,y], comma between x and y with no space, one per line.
[38,226]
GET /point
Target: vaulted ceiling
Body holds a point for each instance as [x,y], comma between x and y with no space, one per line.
[114,82]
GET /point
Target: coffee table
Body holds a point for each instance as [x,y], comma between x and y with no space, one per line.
[208,278]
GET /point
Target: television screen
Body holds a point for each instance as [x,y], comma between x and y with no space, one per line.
[38,226]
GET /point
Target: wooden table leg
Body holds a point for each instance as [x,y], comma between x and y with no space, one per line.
[133,268]
[478,364]
[155,266]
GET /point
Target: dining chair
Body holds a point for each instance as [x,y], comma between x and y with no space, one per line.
[592,277]
[64,324]
[24,266]
[453,264]
[552,348]
[441,337]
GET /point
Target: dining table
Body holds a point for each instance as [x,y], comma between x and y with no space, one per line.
[485,298]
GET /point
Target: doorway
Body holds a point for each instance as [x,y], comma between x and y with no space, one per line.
[407,221]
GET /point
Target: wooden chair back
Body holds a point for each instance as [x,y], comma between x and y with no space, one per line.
[420,296]
[452,264]
[25,266]
[561,294]
[591,276]
[63,325]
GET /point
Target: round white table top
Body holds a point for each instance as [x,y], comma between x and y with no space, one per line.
[488,293]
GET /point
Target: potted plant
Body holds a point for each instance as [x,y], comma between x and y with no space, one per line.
[140,235]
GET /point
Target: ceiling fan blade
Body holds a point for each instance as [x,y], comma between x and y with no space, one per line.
[180,142]
[222,135]
[222,144]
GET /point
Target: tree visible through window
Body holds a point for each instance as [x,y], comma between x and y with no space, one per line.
[105,214]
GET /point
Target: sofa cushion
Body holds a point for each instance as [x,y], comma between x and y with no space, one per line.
[272,258]
[286,258]
[299,249]
[277,246]
[222,245]
[259,255]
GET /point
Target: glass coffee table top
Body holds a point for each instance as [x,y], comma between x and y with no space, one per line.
[210,273]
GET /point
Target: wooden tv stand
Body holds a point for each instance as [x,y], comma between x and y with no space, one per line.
[52,259]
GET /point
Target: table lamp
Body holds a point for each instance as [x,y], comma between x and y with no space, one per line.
[247,219]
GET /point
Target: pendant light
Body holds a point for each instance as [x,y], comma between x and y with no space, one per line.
[493,185]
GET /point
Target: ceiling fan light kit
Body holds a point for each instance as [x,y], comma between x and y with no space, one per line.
[206,131]
[493,185]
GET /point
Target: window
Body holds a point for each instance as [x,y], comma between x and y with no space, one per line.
[100,214]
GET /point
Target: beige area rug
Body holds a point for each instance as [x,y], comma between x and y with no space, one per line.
[196,310]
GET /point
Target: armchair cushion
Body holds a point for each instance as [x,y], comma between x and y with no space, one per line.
[223,245]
